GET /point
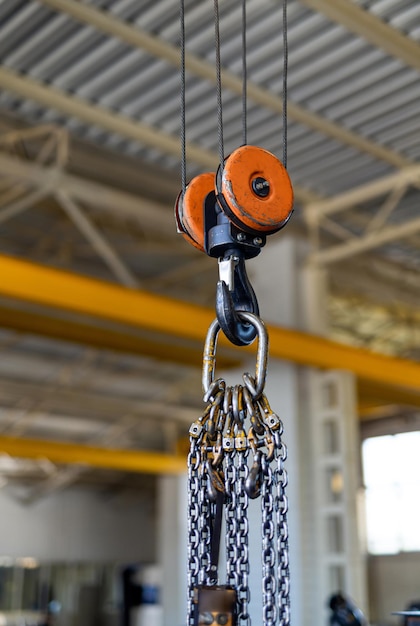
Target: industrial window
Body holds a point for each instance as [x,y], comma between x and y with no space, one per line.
[391,467]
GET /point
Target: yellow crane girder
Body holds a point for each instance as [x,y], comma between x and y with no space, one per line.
[174,325]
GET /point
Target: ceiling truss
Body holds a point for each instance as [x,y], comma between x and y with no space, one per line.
[47,179]
[377,231]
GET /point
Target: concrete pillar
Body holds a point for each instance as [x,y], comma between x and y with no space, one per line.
[325,550]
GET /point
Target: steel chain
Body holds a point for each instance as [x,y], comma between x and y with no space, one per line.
[242,538]
[268,551]
[231,521]
[193,532]
[282,532]
[204,525]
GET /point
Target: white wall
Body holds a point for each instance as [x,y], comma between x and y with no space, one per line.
[394,582]
[172,547]
[79,524]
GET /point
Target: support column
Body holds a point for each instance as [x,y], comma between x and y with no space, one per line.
[321,433]
[333,559]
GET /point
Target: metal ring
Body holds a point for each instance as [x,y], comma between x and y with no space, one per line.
[237,404]
[209,355]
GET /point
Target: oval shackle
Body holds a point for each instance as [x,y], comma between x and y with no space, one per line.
[209,355]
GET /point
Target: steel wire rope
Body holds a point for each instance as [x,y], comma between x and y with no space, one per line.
[218,84]
[244,78]
[183,99]
[285,69]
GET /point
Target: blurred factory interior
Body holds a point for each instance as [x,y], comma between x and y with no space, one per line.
[104,307]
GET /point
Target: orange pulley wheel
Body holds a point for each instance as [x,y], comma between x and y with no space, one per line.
[255,190]
[189,210]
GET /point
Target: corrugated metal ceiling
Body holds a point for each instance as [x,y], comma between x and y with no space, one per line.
[331,72]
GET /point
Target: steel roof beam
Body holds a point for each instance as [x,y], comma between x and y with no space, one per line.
[376,233]
[98,242]
[70,105]
[314,211]
[136,37]
[369,27]
[53,97]
[149,214]
[366,242]
[102,301]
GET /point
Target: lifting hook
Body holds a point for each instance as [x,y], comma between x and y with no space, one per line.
[234,293]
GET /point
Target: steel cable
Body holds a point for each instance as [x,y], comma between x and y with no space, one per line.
[285,68]
[244,78]
[218,84]
[183,100]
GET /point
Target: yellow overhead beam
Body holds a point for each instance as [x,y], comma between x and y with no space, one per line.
[373,397]
[108,458]
[316,351]
[105,302]
[78,329]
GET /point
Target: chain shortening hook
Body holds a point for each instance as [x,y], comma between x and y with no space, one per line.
[234,293]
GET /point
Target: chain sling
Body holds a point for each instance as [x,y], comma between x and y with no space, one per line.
[237,452]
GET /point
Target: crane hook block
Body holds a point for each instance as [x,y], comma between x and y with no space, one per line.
[189,211]
[254,190]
